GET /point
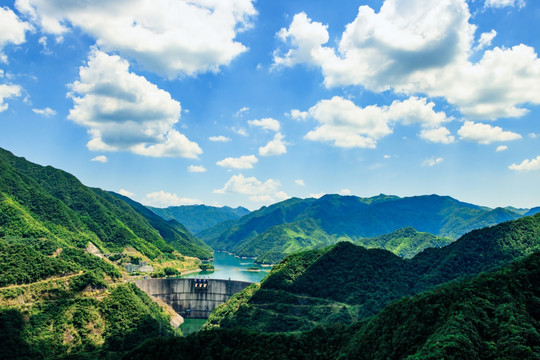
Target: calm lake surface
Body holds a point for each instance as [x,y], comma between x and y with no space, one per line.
[228,266]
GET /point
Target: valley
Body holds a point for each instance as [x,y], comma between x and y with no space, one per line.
[346,271]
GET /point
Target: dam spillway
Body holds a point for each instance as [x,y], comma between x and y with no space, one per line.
[192,298]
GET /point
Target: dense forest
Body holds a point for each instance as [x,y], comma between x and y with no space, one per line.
[273,232]
[491,316]
[345,283]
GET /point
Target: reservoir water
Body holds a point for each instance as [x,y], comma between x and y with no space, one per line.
[228,266]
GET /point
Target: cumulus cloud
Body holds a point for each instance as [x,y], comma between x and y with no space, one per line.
[124,111]
[346,125]
[501,148]
[266,124]
[504,3]
[274,147]
[47,112]
[300,182]
[485,134]
[242,162]
[317,195]
[345,192]
[196,169]
[298,115]
[8,91]
[242,111]
[101,158]
[417,46]
[219,138]
[162,199]
[12,30]
[170,38]
[126,193]
[486,39]
[257,190]
[527,165]
[432,161]
[439,135]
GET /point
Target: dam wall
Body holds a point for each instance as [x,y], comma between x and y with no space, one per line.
[192,298]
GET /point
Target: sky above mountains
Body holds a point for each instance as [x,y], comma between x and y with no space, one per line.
[241,102]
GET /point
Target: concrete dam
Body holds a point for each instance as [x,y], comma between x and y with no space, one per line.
[192,298]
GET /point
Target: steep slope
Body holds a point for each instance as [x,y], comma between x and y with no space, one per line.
[492,316]
[270,233]
[197,218]
[313,287]
[39,201]
[173,232]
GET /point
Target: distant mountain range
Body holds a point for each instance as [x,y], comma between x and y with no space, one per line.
[345,282]
[273,232]
[44,202]
[197,218]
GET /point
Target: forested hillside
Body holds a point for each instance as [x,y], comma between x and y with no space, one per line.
[197,218]
[281,229]
[344,283]
[44,202]
[491,316]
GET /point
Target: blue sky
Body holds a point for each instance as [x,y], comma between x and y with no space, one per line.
[248,103]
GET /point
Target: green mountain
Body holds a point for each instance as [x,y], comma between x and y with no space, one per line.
[197,218]
[491,316]
[345,282]
[406,242]
[273,232]
[173,232]
[44,202]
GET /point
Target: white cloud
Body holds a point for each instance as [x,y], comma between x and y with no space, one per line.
[219,138]
[501,148]
[196,169]
[387,156]
[417,46]
[317,195]
[485,134]
[432,161]
[345,192]
[170,38]
[346,125]
[298,115]
[533,135]
[101,158]
[266,124]
[274,147]
[257,190]
[240,131]
[504,3]
[241,112]
[162,199]
[8,91]
[299,182]
[126,193]
[12,30]
[124,111]
[486,39]
[439,135]
[242,162]
[47,112]
[527,165]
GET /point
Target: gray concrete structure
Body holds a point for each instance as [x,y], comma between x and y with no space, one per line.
[192,298]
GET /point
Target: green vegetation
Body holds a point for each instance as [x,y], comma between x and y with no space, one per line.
[350,282]
[492,316]
[197,218]
[44,202]
[406,242]
[271,233]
